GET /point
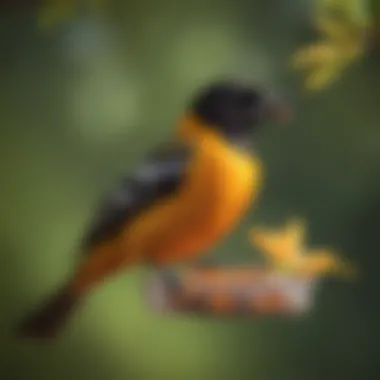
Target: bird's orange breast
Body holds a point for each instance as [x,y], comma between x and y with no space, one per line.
[219,187]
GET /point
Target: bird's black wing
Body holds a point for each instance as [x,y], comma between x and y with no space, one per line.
[158,176]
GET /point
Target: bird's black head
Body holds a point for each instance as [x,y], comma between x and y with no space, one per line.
[236,110]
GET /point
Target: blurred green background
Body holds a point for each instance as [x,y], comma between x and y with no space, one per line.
[81,104]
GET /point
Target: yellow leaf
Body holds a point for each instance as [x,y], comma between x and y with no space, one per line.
[356,12]
[314,54]
[330,28]
[322,76]
[343,25]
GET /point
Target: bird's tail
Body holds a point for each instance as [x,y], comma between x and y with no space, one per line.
[47,322]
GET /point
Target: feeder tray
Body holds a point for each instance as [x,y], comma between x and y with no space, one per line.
[251,291]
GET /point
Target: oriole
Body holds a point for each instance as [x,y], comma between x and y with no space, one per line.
[181,200]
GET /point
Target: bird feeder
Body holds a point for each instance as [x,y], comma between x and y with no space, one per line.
[230,291]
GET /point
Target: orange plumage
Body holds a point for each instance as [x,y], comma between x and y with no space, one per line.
[177,204]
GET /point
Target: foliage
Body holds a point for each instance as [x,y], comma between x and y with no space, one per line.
[343,27]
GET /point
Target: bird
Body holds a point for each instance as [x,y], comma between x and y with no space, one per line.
[287,252]
[185,196]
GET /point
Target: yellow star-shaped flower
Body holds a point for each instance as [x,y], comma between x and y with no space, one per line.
[286,251]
